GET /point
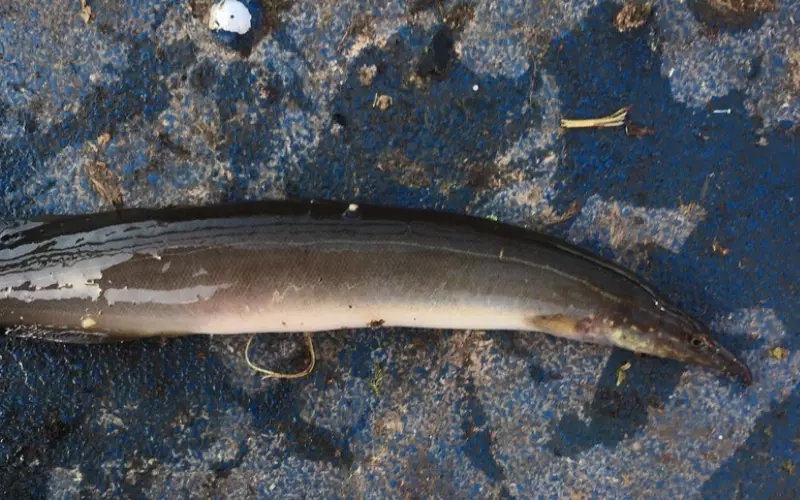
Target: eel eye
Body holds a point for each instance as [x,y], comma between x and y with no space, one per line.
[699,341]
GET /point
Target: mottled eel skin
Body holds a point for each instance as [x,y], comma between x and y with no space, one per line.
[282,266]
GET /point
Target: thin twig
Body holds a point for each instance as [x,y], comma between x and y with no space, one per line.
[346,34]
[616,119]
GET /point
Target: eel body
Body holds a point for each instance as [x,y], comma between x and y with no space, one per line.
[285,266]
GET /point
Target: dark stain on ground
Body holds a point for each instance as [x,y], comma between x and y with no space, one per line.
[519,346]
[478,440]
[440,125]
[762,459]
[617,412]
[49,432]
[112,19]
[166,143]
[203,77]
[539,375]
[480,175]
[21,469]
[176,413]
[436,58]
[4,108]
[456,18]
[141,92]
[244,141]
[730,15]
[418,6]
[756,65]
[423,479]
[339,119]
[279,408]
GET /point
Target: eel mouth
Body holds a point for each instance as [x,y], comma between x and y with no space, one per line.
[723,360]
[598,331]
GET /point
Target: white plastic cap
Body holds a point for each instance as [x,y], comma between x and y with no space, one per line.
[230,15]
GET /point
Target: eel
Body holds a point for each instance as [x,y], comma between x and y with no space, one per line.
[308,266]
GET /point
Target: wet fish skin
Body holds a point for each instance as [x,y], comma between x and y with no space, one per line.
[289,266]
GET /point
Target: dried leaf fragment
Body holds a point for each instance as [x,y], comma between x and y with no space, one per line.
[382,102]
[103,139]
[621,372]
[86,12]
[779,353]
[379,372]
[366,74]
[718,249]
[104,183]
[634,15]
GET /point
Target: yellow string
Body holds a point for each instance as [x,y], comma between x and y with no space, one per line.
[272,374]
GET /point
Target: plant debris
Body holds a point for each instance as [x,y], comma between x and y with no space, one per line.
[360,24]
[718,249]
[379,372]
[366,74]
[741,6]
[103,139]
[634,15]
[459,16]
[572,210]
[621,372]
[788,466]
[779,353]
[719,14]
[616,119]
[404,170]
[634,130]
[86,12]
[104,182]
[382,102]
[690,209]
[99,143]
[794,71]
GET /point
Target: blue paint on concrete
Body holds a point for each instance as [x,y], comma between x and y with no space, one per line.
[424,132]
[598,68]
[185,417]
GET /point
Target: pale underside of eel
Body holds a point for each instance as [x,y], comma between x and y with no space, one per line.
[311,266]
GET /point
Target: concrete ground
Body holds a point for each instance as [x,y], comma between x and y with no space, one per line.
[453,105]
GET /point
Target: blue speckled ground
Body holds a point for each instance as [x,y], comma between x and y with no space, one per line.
[706,208]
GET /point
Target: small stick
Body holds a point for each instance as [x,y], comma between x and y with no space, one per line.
[344,37]
[616,119]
